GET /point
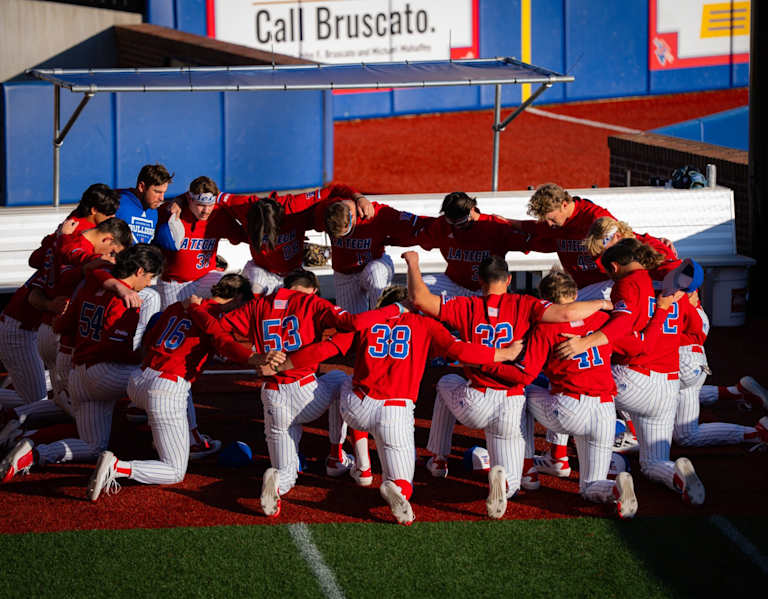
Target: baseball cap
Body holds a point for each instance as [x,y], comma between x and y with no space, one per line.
[203,198]
[477,458]
[235,454]
[688,276]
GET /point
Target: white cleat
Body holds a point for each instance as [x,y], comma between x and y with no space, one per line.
[18,461]
[624,492]
[103,478]
[400,506]
[750,387]
[625,442]
[546,464]
[497,495]
[336,468]
[363,478]
[437,466]
[530,480]
[270,495]
[688,482]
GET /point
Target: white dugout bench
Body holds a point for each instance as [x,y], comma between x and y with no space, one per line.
[699,221]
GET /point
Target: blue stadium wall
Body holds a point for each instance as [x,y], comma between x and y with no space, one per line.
[261,141]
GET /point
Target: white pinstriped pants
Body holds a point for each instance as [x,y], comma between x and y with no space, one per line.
[165,402]
[48,347]
[358,292]
[592,424]
[262,281]
[287,408]
[19,354]
[652,403]
[497,413]
[94,392]
[391,423]
[174,291]
[441,284]
[688,432]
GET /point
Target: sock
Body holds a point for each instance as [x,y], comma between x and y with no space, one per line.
[527,464]
[406,487]
[559,452]
[752,436]
[362,457]
[122,468]
[337,452]
[731,392]
[631,427]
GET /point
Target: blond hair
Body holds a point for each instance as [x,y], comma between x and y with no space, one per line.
[557,286]
[546,198]
[602,231]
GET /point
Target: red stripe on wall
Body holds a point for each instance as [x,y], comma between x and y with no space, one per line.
[210,15]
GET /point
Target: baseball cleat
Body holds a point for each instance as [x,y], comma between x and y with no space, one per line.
[103,477]
[335,467]
[204,446]
[688,482]
[626,442]
[624,492]
[437,466]
[753,392]
[400,506]
[10,434]
[18,461]
[496,504]
[762,429]
[546,464]
[270,495]
[530,480]
[363,478]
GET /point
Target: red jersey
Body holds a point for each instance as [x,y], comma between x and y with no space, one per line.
[493,321]
[695,323]
[175,345]
[465,249]
[190,245]
[287,320]
[392,354]
[20,309]
[634,304]
[568,241]
[671,261]
[368,238]
[102,327]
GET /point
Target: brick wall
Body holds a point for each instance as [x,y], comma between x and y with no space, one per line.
[648,155]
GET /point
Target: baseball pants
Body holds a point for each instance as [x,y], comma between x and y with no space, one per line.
[19,354]
[651,400]
[150,305]
[358,292]
[592,424]
[391,423]
[688,432]
[165,398]
[287,407]
[495,411]
[262,281]
[441,284]
[176,291]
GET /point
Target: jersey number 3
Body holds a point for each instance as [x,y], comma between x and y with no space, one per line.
[390,341]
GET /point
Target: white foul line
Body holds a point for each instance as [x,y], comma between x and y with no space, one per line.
[587,122]
[302,538]
[742,542]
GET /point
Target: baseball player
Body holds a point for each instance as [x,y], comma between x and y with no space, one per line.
[276,226]
[482,400]
[286,320]
[379,398]
[465,237]
[579,401]
[189,237]
[104,356]
[176,350]
[647,377]
[138,205]
[361,268]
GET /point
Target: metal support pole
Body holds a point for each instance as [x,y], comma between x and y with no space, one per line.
[56,146]
[496,134]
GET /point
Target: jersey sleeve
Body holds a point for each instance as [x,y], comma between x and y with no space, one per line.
[644,341]
[331,316]
[625,301]
[528,367]
[429,234]
[314,353]
[170,233]
[225,345]
[119,330]
[401,227]
[455,312]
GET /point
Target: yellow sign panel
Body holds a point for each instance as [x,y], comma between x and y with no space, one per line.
[725,19]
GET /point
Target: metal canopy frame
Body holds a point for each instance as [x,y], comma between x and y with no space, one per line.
[408,74]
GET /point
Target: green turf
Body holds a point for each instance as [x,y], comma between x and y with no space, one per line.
[648,557]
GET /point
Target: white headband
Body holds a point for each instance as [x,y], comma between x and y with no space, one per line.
[609,235]
[203,198]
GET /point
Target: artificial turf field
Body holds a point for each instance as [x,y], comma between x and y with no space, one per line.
[583,557]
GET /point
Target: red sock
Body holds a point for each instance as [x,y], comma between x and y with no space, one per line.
[631,427]
[405,486]
[527,464]
[357,435]
[559,452]
[337,452]
[727,393]
[123,468]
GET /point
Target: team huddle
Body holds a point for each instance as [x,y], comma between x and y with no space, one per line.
[129,299]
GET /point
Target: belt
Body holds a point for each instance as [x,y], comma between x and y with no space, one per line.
[302,382]
[671,376]
[510,392]
[396,403]
[603,398]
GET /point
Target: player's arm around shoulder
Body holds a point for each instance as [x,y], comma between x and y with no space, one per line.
[418,292]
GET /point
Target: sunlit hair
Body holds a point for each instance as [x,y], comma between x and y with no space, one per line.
[264,220]
[631,250]
[602,231]
[153,174]
[301,278]
[141,255]
[203,184]
[545,199]
[232,285]
[493,269]
[557,286]
[392,295]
